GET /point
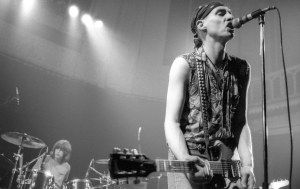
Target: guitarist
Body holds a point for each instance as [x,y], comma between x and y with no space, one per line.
[201,117]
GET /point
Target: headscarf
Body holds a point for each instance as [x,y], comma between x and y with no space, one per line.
[200,13]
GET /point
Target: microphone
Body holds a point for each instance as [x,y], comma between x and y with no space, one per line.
[88,169]
[238,22]
[17,96]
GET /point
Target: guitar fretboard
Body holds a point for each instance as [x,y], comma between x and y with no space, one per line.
[225,168]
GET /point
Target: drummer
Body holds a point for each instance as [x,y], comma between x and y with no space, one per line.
[57,162]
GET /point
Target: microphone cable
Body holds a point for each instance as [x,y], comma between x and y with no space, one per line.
[287,102]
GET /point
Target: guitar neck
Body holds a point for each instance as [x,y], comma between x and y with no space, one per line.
[224,168]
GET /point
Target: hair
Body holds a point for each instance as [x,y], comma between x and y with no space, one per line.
[64,146]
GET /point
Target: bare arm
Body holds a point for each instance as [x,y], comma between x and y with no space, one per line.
[245,140]
[178,78]
[245,147]
[240,125]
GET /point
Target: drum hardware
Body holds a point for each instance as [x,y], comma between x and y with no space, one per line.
[79,184]
[102,177]
[42,180]
[89,167]
[21,140]
[24,179]
[32,161]
[102,180]
[16,156]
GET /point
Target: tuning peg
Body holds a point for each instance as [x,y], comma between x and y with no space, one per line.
[116,150]
[126,151]
[134,152]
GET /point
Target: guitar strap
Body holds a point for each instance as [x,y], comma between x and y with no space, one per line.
[200,61]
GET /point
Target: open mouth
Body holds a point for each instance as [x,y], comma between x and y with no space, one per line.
[231,30]
[230,27]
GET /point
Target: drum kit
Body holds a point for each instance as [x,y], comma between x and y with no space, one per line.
[35,179]
[26,178]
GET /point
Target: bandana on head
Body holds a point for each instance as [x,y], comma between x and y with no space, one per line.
[201,12]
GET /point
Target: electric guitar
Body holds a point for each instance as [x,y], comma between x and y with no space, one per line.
[128,164]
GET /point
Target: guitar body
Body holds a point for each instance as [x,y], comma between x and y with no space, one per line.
[218,182]
[219,152]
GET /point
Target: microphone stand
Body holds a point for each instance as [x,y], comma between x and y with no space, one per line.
[261,20]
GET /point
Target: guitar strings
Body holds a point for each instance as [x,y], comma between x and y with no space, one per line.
[217,167]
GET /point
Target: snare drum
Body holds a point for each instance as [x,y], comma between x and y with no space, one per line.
[41,180]
[79,184]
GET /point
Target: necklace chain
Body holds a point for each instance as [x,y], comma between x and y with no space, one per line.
[216,68]
[219,71]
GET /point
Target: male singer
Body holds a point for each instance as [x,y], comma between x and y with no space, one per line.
[207,102]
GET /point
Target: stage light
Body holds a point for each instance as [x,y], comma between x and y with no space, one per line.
[87,19]
[98,24]
[73,11]
[27,5]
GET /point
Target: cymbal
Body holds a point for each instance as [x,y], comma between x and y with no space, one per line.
[102,161]
[22,139]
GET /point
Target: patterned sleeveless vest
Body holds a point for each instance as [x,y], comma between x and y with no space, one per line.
[223,91]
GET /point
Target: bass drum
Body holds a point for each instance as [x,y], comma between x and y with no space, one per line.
[79,184]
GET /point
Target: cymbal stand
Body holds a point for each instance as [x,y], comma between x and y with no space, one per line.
[17,157]
[100,174]
[103,177]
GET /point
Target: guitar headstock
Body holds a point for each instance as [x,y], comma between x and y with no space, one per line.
[126,163]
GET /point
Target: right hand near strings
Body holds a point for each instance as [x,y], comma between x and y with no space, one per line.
[203,174]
